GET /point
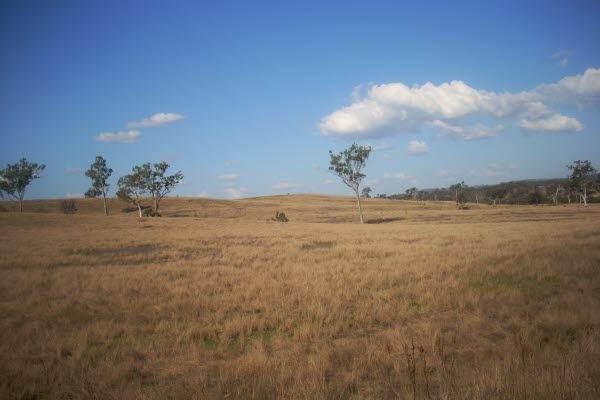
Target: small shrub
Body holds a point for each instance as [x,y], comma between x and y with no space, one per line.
[280,217]
[68,206]
[149,212]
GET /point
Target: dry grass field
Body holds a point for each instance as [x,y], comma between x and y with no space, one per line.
[213,300]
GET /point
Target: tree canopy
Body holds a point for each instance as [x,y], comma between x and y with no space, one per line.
[15,178]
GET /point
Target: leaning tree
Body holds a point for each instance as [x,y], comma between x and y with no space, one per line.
[99,174]
[133,187]
[15,178]
[348,166]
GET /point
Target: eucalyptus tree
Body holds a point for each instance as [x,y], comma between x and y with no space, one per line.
[583,177]
[366,192]
[148,181]
[99,172]
[459,192]
[348,165]
[15,178]
[159,184]
[133,187]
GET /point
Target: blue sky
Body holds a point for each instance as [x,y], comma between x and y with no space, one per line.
[249,97]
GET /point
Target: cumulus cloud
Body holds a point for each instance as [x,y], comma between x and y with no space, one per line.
[119,137]
[155,120]
[286,185]
[467,132]
[229,177]
[397,108]
[583,87]
[417,147]
[553,123]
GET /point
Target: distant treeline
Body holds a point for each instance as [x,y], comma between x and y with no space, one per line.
[531,191]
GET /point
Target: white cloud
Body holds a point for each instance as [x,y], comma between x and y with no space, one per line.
[469,132]
[155,120]
[229,177]
[236,193]
[554,123]
[328,182]
[119,137]
[286,185]
[397,108]
[417,147]
[582,87]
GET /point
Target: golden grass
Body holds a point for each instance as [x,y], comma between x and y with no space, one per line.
[427,301]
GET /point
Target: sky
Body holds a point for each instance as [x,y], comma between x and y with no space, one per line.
[247,98]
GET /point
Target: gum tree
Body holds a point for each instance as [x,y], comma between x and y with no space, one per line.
[582,178]
[133,188]
[15,178]
[147,180]
[348,166]
[158,183]
[99,174]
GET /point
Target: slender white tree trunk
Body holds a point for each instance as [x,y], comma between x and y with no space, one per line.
[359,207]
[104,201]
[584,196]
[139,209]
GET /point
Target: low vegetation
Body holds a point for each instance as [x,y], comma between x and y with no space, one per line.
[215,301]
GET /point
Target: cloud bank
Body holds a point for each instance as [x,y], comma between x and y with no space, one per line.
[395,108]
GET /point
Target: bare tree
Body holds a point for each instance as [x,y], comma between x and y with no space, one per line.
[348,166]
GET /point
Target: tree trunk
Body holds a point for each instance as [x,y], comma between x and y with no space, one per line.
[359,208]
[139,209]
[156,205]
[584,196]
[20,205]
[105,208]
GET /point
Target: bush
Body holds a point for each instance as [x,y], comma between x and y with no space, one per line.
[280,217]
[149,212]
[68,206]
